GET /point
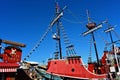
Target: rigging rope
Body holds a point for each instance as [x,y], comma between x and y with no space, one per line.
[116,35]
[90,43]
[68,20]
[45,34]
[38,43]
[75,17]
[105,41]
[66,40]
[70,48]
[112,30]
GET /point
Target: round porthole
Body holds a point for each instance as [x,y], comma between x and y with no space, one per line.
[72,69]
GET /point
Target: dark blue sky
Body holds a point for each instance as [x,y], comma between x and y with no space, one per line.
[25,21]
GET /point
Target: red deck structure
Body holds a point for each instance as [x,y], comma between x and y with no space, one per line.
[71,67]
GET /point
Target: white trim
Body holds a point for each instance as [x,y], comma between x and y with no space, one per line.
[8,69]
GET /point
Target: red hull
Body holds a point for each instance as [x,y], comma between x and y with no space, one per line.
[71,67]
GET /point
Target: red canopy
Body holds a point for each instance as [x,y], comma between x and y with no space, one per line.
[8,67]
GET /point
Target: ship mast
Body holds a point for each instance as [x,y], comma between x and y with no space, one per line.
[58,30]
[113,44]
[110,34]
[57,35]
[91,28]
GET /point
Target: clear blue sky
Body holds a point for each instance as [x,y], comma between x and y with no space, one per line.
[25,21]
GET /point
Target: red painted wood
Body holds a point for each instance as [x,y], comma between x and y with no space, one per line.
[71,67]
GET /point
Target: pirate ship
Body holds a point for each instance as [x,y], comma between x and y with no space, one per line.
[72,67]
[59,67]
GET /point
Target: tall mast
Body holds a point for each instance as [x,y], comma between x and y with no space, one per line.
[113,45]
[91,28]
[109,31]
[58,30]
[56,20]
